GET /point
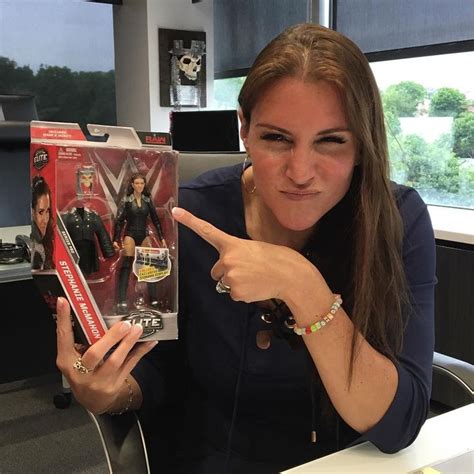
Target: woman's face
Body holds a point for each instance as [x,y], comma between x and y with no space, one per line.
[302,151]
[41,213]
[138,185]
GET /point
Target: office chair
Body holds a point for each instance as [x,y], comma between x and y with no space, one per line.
[457,370]
[15,172]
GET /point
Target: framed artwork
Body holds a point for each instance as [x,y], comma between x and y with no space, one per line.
[182,63]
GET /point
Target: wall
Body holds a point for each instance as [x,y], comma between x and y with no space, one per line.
[136,24]
[131,64]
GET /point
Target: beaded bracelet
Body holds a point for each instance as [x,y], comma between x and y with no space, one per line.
[129,400]
[322,322]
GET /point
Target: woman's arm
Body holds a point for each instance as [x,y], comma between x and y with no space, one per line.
[387,401]
[374,379]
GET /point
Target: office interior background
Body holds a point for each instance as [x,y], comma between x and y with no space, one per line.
[98,62]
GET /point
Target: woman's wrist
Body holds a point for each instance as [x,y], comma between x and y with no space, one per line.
[308,295]
[129,397]
[123,405]
[320,320]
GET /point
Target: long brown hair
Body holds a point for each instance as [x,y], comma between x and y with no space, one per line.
[314,53]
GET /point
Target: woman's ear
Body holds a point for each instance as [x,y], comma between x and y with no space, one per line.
[244,128]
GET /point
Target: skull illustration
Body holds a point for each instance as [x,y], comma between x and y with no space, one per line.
[190,64]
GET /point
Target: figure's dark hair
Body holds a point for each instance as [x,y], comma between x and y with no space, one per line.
[313,53]
[39,187]
[135,176]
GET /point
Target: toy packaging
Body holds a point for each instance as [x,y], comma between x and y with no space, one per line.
[102,232]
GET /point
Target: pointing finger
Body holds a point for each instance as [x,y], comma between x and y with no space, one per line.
[211,234]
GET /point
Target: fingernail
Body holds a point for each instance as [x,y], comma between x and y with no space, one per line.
[177,211]
[60,303]
[125,326]
[137,328]
[151,344]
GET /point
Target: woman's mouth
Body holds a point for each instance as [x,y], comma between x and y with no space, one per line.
[300,195]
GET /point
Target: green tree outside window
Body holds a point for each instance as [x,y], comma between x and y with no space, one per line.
[447,102]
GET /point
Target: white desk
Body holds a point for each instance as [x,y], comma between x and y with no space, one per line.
[453,224]
[442,437]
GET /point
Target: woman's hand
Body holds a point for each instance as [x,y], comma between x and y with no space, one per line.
[98,390]
[254,271]
[116,245]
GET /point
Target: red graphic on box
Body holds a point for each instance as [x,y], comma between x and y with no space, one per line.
[72,281]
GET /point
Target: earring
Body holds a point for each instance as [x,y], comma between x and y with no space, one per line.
[251,191]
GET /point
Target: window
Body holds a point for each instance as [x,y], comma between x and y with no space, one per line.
[226,92]
[429,111]
[63,54]
[428,99]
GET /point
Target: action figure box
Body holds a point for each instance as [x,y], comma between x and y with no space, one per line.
[102,231]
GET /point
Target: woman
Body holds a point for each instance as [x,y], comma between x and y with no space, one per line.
[41,225]
[134,210]
[275,368]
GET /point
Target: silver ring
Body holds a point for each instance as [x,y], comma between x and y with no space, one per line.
[221,287]
[80,367]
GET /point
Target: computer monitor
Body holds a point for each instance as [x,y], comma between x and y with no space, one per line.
[206,131]
[18,108]
[15,189]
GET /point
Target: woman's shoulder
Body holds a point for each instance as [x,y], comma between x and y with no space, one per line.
[216,196]
[409,201]
[214,178]
[218,186]
[414,213]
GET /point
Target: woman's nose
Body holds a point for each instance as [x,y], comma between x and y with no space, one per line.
[300,166]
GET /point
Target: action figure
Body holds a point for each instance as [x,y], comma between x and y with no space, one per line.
[134,210]
[83,226]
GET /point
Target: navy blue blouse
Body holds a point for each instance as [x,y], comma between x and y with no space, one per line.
[190,386]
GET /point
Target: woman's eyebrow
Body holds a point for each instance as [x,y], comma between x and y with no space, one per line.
[273,127]
[322,132]
[333,130]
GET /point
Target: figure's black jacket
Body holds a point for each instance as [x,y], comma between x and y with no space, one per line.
[136,217]
[83,226]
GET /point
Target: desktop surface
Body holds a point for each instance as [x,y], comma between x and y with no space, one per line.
[442,438]
[464,463]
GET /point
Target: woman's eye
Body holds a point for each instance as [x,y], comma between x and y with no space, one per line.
[274,137]
[332,139]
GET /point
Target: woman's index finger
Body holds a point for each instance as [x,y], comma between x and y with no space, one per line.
[211,234]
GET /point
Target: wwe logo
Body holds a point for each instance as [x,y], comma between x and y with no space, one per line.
[115,187]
